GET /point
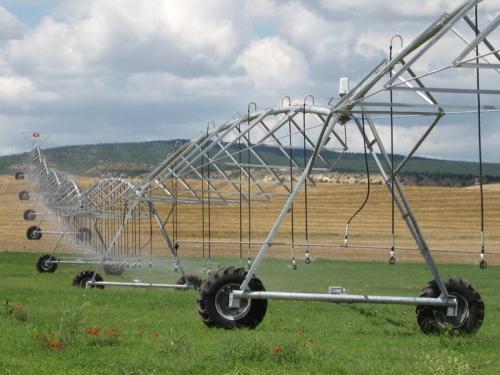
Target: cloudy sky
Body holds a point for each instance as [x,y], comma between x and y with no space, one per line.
[126,70]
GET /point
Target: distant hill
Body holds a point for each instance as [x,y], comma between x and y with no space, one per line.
[92,160]
[137,158]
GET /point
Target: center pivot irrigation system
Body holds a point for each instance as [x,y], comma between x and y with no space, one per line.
[226,165]
[92,219]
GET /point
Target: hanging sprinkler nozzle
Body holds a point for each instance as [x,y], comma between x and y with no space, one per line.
[346,235]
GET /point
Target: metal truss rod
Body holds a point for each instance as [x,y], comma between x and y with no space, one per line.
[407,212]
[330,123]
[479,38]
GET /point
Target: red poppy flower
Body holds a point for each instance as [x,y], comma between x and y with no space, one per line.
[95,331]
[55,345]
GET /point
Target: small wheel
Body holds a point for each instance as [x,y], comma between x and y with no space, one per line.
[392,260]
[34,233]
[483,264]
[24,195]
[29,215]
[47,263]
[307,260]
[81,278]
[114,268]
[19,176]
[470,314]
[192,280]
[84,235]
[213,302]
[294,266]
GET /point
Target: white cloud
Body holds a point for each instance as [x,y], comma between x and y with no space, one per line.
[155,87]
[130,35]
[273,64]
[100,70]
[10,26]
[408,8]
[22,90]
[261,10]
[324,40]
[53,48]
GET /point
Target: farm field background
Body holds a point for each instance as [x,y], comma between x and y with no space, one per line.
[449,218]
[159,331]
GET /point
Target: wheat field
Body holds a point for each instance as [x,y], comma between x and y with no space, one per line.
[449,218]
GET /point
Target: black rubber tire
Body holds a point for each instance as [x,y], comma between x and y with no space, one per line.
[231,278]
[42,266]
[84,235]
[34,233]
[115,269]
[24,195]
[19,176]
[433,320]
[193,280]
[392,260]
[81,278]
[29,215]
[483,264]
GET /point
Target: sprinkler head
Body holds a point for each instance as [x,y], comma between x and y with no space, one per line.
[483,264]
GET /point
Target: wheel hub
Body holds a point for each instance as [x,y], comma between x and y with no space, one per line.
[222,303]
[462,313]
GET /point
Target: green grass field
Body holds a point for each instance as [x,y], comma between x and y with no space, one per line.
[159,331]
